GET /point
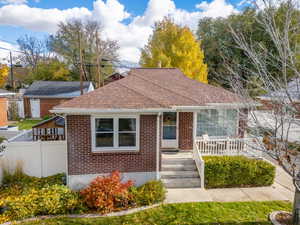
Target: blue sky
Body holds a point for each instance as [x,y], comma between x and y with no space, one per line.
[129,22]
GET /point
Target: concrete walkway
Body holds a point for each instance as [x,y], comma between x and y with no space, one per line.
[282,189]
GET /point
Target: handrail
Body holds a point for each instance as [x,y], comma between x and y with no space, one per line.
[199,164]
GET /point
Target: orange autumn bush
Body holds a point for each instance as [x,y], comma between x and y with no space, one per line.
[107,194]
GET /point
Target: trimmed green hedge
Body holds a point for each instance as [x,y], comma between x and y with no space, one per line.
[237,171]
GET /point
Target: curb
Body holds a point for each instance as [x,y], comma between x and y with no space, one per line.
[91,215]
[273,215]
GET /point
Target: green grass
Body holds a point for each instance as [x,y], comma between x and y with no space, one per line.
[233,213]
[26,124]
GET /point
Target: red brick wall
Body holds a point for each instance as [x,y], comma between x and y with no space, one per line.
[81,160]
[46,104]
[3,112]
[185,130]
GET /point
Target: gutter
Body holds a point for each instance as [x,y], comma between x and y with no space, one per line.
[88,111]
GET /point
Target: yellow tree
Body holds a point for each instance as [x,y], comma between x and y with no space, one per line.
[3,74]
[174,46]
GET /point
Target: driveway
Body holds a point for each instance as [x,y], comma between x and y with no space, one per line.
[266,119]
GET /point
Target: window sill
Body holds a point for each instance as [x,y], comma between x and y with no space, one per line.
[112,151]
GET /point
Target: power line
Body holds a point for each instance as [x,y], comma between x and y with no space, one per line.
[11,50]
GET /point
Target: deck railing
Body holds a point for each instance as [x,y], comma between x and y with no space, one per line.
[228,146]
[237,146]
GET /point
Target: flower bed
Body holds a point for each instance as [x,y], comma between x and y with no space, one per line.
[237,171]
[22,196]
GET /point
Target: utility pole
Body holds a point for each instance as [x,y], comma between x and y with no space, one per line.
[11,71]
[100,82]
[80,63]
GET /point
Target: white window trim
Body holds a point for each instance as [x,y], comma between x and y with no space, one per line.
[116,148]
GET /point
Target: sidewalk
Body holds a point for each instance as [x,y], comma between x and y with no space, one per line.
[282,189]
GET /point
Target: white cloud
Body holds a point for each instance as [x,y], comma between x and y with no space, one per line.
[216,8]
[111,13]
[4,54]
[38,19]
[13,1]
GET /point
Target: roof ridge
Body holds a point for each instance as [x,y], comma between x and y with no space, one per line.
[119,83]
[141,77]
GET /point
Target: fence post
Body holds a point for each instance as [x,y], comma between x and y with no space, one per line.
[42,158]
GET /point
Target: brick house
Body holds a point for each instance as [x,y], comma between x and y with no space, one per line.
[42,96]
[126,124]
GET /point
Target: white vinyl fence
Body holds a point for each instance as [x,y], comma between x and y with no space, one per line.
[39,158]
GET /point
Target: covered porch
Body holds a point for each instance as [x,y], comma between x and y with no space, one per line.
[203,132]
[214,130]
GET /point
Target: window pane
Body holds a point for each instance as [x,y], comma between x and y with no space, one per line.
[169,118]
[127,124]
[127,139]
[104,140]
[104,124]
[217,122]
[169,132]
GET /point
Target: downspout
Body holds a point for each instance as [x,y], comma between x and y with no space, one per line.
[66,140]
[158,145]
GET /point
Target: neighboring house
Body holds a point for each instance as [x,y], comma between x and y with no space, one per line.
[4,107]
[113,77]
[126,124]
[42,96]
[291,94]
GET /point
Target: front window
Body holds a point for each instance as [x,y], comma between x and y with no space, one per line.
[217,122]
[115,133]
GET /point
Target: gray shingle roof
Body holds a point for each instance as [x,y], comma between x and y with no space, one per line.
[55,89]
[152,88]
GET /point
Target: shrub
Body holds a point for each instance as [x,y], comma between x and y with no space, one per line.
[20,179]
[150,193]
[237,171]
[2,139]
[51,200]
[107,194]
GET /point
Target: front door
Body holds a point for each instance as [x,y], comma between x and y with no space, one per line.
[169,130]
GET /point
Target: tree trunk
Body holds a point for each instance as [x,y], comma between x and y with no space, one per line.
[296,208]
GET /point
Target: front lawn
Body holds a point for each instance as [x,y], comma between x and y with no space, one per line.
[188,213]
[26,124]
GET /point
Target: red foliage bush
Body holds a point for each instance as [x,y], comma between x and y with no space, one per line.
[107,194]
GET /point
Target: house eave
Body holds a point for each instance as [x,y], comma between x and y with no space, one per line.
[87,111]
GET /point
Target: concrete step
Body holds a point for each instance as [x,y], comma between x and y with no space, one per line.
[179,167]
[183,161]
[179,174]
[182,183]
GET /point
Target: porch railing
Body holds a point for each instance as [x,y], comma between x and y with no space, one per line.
[199,163]
[237,146]
[228,146]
